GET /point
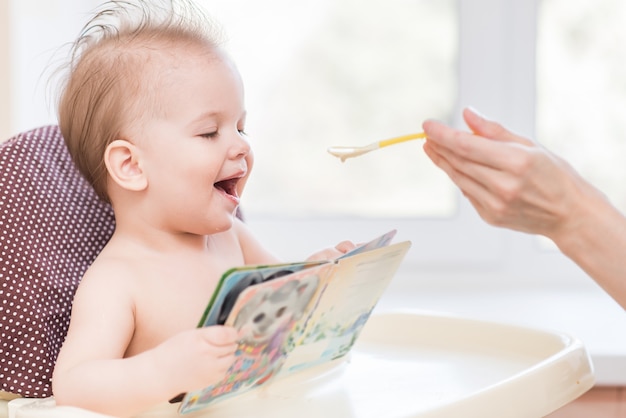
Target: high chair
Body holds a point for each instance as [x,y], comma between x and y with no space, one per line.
[52,226]
[405,364]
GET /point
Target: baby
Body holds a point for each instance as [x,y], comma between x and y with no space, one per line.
[153,114]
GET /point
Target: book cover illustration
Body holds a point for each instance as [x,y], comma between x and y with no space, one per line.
[265,315]
[288,315]
[236,280]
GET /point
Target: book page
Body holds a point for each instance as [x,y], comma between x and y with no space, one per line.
[344,306]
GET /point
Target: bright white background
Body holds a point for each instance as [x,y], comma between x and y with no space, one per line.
[350,72]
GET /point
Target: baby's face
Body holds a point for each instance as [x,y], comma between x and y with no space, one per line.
[193,147]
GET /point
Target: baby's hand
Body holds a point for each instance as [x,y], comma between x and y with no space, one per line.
[197,358]
[332,253]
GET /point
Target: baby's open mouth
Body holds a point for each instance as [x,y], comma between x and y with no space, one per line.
[228,186]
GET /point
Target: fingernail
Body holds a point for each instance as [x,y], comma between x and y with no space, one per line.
[428,122]
[476,112]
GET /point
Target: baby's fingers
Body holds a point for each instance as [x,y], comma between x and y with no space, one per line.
[220,336]
[345,246]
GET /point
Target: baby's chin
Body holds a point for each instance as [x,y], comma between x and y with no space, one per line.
[214,226]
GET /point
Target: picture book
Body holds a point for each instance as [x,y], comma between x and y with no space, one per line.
[296,315]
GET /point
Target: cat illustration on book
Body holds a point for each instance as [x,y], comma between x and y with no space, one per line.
[272,310]
[265,318]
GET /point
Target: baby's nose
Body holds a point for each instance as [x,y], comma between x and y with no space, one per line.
[241,146]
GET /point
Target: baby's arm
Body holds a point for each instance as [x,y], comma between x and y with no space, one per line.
[92,373]
[252,250]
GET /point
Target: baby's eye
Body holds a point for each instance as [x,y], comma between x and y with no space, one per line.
[242,132]
[209,135]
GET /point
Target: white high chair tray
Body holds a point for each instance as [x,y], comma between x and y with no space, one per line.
[410,364]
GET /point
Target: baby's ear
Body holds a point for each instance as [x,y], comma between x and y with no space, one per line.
[122,162]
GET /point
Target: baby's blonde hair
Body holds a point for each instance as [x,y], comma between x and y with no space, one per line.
[111,74]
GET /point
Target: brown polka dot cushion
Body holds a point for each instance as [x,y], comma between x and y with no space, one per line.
[52,226]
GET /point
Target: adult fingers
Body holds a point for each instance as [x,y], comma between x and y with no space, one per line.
[467,176]
[465,150]
[484,169]
[490,129]
[451,140]
[488,189]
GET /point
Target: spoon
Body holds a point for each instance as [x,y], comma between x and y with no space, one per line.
[348,152]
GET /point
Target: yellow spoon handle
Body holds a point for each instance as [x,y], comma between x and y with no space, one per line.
[396,140]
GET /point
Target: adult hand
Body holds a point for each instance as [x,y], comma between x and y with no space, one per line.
[515,183]
[510,180]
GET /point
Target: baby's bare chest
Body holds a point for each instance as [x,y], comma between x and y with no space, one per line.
[171,301]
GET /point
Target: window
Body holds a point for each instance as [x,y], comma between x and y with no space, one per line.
[39,30]
[316,74]
[328,73]
[5,85]
[581,88]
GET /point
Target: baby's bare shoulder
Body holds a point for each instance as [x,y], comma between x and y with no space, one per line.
[109,277]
